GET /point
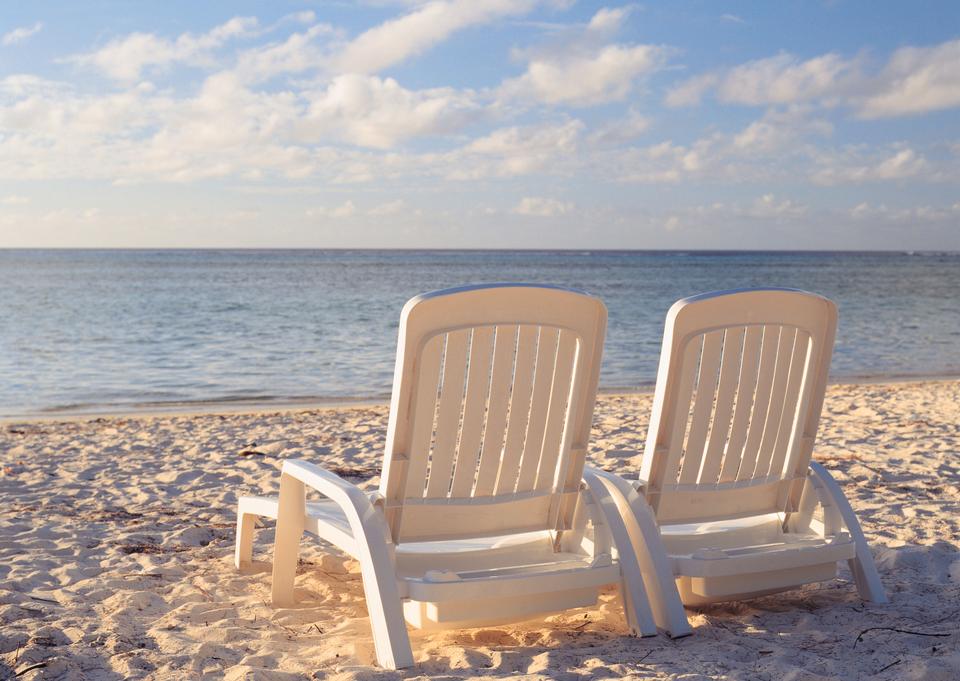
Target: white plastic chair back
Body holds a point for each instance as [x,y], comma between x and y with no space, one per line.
[739,392]
[492,405]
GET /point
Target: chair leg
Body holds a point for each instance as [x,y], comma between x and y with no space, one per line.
[390,638]
[867,578]
[636,601]
[862,566]
[243,551]
[286,548]
[661,584]
[651,554]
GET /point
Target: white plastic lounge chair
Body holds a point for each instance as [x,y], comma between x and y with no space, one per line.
[727,470]
[480,514]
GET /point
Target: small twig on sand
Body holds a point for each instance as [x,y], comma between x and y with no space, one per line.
[649,653]
[892,664]
[899,631]
[23,671]
[287,629]
[45,600]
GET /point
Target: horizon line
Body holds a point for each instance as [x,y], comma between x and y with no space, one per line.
[905,251]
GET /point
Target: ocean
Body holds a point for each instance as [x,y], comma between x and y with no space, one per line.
[88,331]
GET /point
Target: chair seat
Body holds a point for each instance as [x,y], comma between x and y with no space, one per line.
[475,581]
[789,552]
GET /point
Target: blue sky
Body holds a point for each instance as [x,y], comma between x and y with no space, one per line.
[462,123]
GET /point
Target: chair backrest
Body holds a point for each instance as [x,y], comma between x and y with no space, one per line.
[739,391]
[493,398]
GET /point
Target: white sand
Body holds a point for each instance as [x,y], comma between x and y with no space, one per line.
[116,539]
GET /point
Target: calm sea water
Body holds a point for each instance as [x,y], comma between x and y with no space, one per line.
[102,330]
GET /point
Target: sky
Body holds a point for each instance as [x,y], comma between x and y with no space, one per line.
[480,124]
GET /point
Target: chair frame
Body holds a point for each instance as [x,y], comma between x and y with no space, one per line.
[737,509]
[503,536]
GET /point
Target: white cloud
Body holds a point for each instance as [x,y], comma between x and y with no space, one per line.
[414,33]
[852,168]
[779,129]
[389,208]
[667,162]
[691,91]
[13,200]
[769,207]
[784,79]
[299,52]
[378,113]
[542,207]
[866,211]
[609,20]
[586,79]
[732,18]
[578,72]
[916,80]
[125,58]
[514,151]
[622,130]
[18,35]
[344,210]
[781,79]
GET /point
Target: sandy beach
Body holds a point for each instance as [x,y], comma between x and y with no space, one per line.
[116,541]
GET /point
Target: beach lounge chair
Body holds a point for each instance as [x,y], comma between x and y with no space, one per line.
[727,470]
[480,514]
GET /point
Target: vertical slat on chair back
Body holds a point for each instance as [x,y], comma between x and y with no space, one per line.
[492,405]
[738,398]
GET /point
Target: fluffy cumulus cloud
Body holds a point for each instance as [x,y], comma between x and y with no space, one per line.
[372,112]
[585,71]
[914,80]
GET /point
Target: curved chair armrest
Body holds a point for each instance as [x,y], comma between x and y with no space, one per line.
[639,543]
[329,484]
[373,549]
[863,568]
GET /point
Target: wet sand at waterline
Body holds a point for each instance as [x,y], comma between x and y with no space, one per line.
[116,548]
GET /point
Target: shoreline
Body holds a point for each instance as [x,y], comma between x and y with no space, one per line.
[294,405]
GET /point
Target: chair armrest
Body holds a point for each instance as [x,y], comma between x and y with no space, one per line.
[638,486]
[634,530]
[373,548]
[329,484]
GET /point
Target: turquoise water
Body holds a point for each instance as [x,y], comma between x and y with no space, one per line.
[107,330]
